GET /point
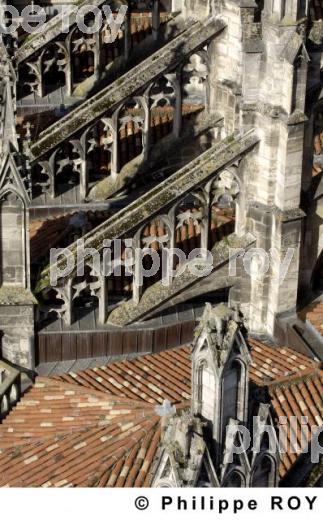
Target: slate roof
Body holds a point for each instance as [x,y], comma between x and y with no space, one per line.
[100,427]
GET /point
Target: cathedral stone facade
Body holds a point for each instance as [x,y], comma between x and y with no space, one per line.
[176,124]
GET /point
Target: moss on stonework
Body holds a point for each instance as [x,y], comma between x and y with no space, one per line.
[109,186]
[13,295]
[158,293]
[131,82]
[229,139]
[315,474]
[181,182]
[178,454]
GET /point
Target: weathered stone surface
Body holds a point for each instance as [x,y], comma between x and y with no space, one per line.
[17,325]
[181,182]
[107,99]
[159,293]
[53,28]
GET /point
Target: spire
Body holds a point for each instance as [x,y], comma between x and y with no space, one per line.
[13,173]
[8,134]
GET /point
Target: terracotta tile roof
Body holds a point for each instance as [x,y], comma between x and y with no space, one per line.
[294,398]
[161,124]
[63,436]
[38,121]
[45,234]
[48,233]
[267,365]
[270,363]
[102,432]
[99,427]
[141,24]
[148,378]
[313,313]
[318,150]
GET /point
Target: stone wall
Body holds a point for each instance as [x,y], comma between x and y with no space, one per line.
[17,326]
[12,240]
[226,67]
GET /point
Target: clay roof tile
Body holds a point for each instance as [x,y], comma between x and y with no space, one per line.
[99,427]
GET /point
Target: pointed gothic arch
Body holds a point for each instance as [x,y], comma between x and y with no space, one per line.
[264,473]
[221,348]
[234,387]
[53,67]
[235,479]
[12,238]
[231,378]
[162,101]
[206,385]
[99,149]
[130,117]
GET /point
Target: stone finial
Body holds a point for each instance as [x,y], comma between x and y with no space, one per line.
[219,324]
[165,409]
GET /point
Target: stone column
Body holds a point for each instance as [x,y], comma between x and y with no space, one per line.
[283,283]
[84,177]
[155,18]
[172,233]
[103,299]
[83,180]
[177,124]
[115,147]
[127,34]
[274,218]
[136,281]
[66,293]
[205,220]
[97,55]
[147,124]
[37,70]
[68,67]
